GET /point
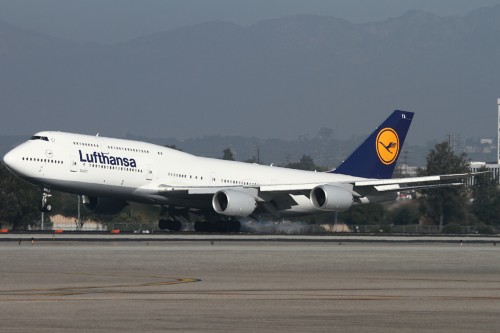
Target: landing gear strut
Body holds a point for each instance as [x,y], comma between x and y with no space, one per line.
[46,206]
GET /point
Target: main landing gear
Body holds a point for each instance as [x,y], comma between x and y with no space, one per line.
[213,224]
[170,224]
[173,222]
[222,226]
[46,206]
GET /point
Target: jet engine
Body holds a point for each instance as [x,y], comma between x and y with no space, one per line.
[233,203]
[331,198]
[103,205]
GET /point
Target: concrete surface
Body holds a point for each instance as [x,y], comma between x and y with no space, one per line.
[183,236]
[231,286]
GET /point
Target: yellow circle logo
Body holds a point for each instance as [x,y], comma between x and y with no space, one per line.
[387,145]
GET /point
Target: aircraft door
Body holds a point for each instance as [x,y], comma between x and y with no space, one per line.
[74,164]
[149,172]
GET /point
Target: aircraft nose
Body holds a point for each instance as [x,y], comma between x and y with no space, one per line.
[9,159]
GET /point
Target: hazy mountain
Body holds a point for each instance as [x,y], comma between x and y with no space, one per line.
[278,78]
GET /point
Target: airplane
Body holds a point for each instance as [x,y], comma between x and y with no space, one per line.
[110,173]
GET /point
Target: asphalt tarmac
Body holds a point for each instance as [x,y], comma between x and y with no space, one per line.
[231,286]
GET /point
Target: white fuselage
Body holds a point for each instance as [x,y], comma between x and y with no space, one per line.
[138,171]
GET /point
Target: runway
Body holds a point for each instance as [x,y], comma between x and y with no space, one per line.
[239,237]
[248,286]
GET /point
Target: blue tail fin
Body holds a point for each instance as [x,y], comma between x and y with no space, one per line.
[376,157]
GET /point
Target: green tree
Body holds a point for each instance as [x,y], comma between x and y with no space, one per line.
[19,201]
[486,198]
[407,213]
[173,147]
[305,163]
[228,155]
[446,204]
[65,204]
[364,214]
[251,160]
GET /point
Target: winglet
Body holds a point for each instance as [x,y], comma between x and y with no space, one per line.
[376,157]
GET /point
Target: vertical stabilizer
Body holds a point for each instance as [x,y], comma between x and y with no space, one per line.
[376,157]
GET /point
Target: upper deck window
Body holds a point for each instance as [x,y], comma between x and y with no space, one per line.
[37,137]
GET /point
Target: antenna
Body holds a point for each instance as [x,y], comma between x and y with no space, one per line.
[498,133]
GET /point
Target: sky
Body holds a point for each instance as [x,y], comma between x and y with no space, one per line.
[112,21]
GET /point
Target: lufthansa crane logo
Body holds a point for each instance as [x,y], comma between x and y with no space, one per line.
[387,145]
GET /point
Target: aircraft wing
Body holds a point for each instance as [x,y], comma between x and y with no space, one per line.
[412,183]
[380,185]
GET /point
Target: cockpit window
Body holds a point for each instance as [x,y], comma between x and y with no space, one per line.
[37,137]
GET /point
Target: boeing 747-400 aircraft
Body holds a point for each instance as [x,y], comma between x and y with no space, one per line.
[109,173]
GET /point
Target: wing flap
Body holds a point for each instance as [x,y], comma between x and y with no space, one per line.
[410,180]
[397,187]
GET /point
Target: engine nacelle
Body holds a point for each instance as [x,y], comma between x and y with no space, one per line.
[331,198]
[103,205]
[233,203]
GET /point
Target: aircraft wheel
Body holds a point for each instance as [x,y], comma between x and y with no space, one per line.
[170,224]
[201,226]
[217,226]
[46,208]
[174,225]
[235,226]
[162,224]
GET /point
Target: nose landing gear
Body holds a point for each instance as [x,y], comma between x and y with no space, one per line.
[46,206]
